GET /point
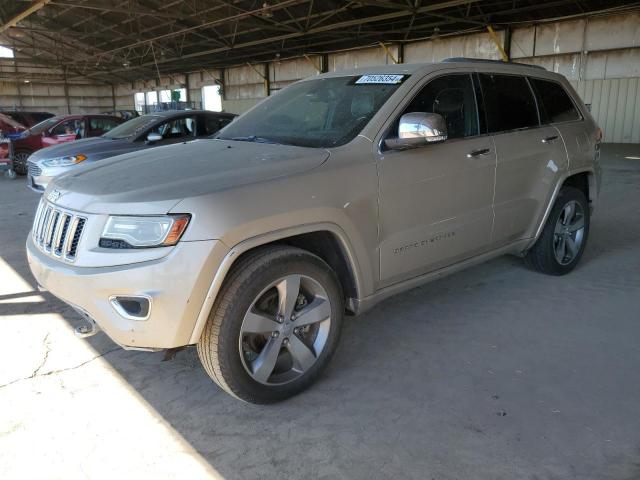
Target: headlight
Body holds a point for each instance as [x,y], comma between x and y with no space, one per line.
[140,232]
[65,161]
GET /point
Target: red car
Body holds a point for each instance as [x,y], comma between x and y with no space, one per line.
[56,130]
[9,130]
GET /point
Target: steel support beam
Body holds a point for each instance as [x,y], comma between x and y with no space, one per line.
[35,6]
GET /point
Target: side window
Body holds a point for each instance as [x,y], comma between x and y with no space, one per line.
[213,124]
[508,102]
[177,128]
[103,124]
[555,103]
[70,127]
[452,97]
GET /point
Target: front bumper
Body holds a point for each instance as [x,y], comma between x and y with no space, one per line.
[38,183]
[177,284]
[39,176]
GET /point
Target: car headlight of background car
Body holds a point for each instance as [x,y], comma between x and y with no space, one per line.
[143,232]
[65,161]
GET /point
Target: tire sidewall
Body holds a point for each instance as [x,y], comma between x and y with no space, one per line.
[228,340]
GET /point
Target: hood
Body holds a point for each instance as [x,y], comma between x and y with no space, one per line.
[154,180]
[96,147]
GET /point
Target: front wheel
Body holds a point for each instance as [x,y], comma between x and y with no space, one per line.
[20,161]
[274,326]
[564,237]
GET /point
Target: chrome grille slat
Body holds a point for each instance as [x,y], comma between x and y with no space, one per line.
[70,236]
[57,232]
[51,229]
[45,223]
[37,220]
[63,223]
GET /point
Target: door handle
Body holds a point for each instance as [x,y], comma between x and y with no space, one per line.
[549,139]
[477,153]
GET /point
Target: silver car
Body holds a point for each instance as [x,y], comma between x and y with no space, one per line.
[147,131]
[324,199]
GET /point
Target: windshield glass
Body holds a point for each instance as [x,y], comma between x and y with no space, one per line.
[45,125]
[325,112]
[131,127]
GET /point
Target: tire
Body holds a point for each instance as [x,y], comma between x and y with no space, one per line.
[562,232]
[236,357]
[20,161]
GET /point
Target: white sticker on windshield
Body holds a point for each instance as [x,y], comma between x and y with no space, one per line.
[391,79]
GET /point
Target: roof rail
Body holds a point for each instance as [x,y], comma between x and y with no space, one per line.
[485,60]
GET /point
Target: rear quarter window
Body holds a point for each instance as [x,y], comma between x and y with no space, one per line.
[554,102]
[213,124]
[508,101]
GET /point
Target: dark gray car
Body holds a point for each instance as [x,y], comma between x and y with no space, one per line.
[147,131]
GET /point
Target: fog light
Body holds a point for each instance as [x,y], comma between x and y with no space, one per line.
[136,307]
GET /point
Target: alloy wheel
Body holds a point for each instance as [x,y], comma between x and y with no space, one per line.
[285,330]
[20,161]
[569,233]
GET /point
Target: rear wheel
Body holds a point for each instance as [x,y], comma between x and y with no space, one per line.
[274,325]
[564,237]
[20,161]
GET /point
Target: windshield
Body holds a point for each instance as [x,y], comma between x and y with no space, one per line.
[45,125]
[131,127]
[325,112]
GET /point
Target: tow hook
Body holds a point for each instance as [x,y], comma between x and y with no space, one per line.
[88,329]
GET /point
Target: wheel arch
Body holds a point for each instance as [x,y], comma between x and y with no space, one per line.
[583,179]
[327,240]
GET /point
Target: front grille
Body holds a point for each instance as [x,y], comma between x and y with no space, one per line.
[33,169]
[57,232]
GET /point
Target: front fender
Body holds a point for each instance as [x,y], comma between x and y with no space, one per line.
[362,280]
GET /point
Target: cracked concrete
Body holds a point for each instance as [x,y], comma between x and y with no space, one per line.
[492,373]
[47,349]
[36,372]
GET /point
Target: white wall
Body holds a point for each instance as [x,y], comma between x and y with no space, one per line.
[26,85]
[600,55]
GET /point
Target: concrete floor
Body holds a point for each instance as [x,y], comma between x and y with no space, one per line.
[493,373]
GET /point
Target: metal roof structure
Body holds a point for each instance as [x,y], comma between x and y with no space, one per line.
[124,40]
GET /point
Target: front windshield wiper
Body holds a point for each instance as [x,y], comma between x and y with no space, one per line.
[252,138]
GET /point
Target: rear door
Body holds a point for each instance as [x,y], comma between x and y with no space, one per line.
[210,124]
[530,156]
[558,109]
[435,202]
[98,126]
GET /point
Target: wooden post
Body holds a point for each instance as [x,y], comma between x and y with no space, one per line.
[496,40]
[389,54]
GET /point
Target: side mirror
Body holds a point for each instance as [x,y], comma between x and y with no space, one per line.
[153,137]
[417,129]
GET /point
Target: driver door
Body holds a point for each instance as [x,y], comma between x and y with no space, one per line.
[436,201]
[66,131]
